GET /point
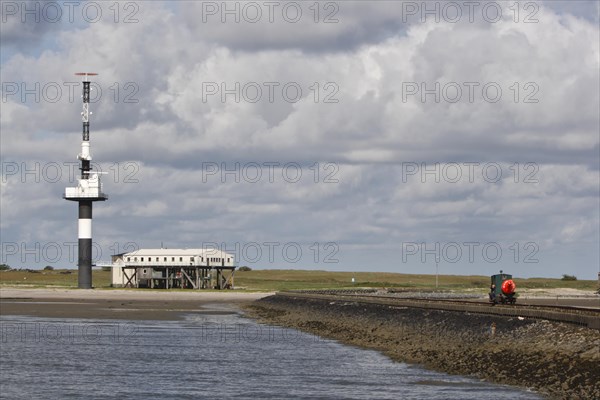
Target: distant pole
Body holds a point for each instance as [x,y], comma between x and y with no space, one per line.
[436,274]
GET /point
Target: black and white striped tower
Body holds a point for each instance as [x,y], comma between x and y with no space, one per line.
[87,191]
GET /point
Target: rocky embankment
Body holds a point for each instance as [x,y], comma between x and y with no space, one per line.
[558,360]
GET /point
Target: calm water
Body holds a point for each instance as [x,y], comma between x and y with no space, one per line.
[207,356]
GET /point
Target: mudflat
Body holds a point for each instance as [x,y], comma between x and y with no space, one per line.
[557,360]
[117,304]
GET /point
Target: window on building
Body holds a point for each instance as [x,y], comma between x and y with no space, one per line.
[192,259]
[135,259]
[142,259]
[180,259]
[128,259]
[172,259]
[165,259]
[156,258]
[228,259]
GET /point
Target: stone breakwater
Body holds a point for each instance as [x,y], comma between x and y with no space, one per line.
[557,360]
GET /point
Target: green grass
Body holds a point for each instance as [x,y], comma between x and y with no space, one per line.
[269,280]
[538,283]
[299,279]
[51,278]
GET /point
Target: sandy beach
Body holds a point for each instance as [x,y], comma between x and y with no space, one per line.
[117,304]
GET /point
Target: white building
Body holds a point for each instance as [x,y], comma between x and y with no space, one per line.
[173,268]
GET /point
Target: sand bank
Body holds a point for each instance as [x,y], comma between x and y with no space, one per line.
[116,304]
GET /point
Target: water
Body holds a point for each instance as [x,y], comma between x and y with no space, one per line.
[207,356]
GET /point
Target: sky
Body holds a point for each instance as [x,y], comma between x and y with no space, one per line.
[394,136]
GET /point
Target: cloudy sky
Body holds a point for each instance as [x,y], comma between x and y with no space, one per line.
[349,135]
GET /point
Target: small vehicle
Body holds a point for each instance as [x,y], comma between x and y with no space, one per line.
[503,289]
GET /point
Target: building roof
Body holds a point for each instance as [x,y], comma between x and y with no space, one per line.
[212,252]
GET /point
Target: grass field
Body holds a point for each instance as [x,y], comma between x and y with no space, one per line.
[269,280]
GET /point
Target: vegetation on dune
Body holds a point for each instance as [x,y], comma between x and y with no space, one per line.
[269,280]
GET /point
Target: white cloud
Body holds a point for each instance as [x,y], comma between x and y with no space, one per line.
[368,58]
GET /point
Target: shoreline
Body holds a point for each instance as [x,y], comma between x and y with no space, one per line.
[116,304]
[556,360]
